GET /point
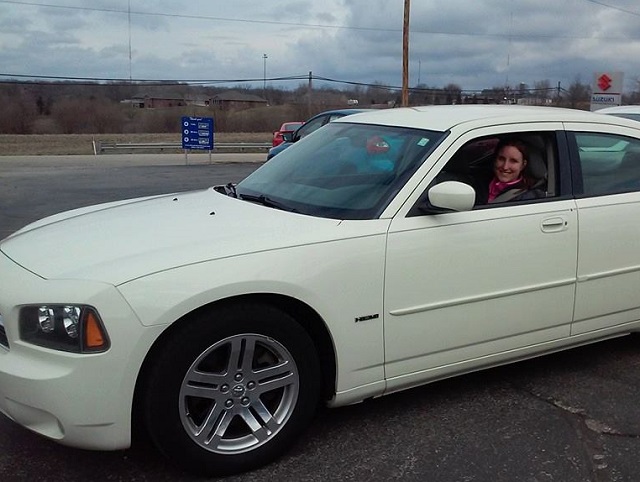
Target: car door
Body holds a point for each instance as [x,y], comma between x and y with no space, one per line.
[607,161]
[469,289]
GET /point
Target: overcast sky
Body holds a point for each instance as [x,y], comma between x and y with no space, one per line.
[473,43]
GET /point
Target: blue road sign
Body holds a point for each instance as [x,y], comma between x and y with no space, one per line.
[197,133]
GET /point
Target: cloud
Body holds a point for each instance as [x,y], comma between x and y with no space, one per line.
[476,45]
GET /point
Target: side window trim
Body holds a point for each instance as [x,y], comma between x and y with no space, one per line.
[567,165]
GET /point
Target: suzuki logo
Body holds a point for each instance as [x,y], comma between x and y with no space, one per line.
[604,82]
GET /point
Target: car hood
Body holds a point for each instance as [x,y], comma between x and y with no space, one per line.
[120,241]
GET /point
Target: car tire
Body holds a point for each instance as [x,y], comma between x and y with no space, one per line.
[231,389]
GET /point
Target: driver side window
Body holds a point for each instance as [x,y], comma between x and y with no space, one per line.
[504,168]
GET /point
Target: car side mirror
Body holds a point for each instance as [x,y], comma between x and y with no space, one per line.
[287,136]
[449,196]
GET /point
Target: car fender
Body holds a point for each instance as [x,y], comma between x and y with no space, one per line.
[352,310]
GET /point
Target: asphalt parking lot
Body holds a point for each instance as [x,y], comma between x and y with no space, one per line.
[567,417]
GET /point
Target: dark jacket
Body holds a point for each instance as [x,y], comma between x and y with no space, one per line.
[521,191]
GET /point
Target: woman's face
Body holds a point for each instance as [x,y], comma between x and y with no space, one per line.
[509,164]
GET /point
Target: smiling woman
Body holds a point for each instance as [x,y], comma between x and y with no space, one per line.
[511,180]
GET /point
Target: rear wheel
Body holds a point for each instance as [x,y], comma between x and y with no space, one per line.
[232,389]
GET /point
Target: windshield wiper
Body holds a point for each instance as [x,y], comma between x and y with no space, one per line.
[228,189]
[231,189]
[266,201]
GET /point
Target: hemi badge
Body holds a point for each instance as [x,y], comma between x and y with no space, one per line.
[367,318]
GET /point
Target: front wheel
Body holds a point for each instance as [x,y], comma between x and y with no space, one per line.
[231,389]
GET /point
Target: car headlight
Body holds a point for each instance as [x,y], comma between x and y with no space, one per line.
[73,328]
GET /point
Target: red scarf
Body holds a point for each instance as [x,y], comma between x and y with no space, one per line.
[496,187]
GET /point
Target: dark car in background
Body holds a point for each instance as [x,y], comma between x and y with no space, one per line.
[313,124]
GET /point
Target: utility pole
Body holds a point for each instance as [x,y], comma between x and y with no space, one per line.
[129,18]
[405,55]
[309,90]
[264,82]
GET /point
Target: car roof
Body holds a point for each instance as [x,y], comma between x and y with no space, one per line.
[445,117]
[341,111]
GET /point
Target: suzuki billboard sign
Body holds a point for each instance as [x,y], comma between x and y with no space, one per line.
[606,89]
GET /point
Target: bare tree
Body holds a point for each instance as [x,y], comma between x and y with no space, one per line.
[578,95]
[18,113]
[633,97]
[378,93]
[542,91]
[69,115]
[453,93]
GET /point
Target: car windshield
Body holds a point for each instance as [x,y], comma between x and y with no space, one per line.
[342,171]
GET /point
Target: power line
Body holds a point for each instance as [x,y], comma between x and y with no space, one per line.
[47,79]
[145,81]
[613,7]
[195,17]
[104,82]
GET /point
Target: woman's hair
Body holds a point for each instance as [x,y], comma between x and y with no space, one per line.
[514,142]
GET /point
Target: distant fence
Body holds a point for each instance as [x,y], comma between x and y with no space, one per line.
[101,147]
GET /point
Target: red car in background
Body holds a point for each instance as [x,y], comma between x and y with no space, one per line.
[287,127]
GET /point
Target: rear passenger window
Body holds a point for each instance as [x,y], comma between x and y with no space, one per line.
[610,164]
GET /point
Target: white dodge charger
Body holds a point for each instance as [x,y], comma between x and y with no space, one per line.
[363,260]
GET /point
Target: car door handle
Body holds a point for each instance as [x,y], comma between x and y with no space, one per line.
[554,224]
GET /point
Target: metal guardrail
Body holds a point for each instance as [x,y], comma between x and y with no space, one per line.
[100,147]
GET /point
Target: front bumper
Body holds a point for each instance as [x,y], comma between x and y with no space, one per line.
[81,400]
